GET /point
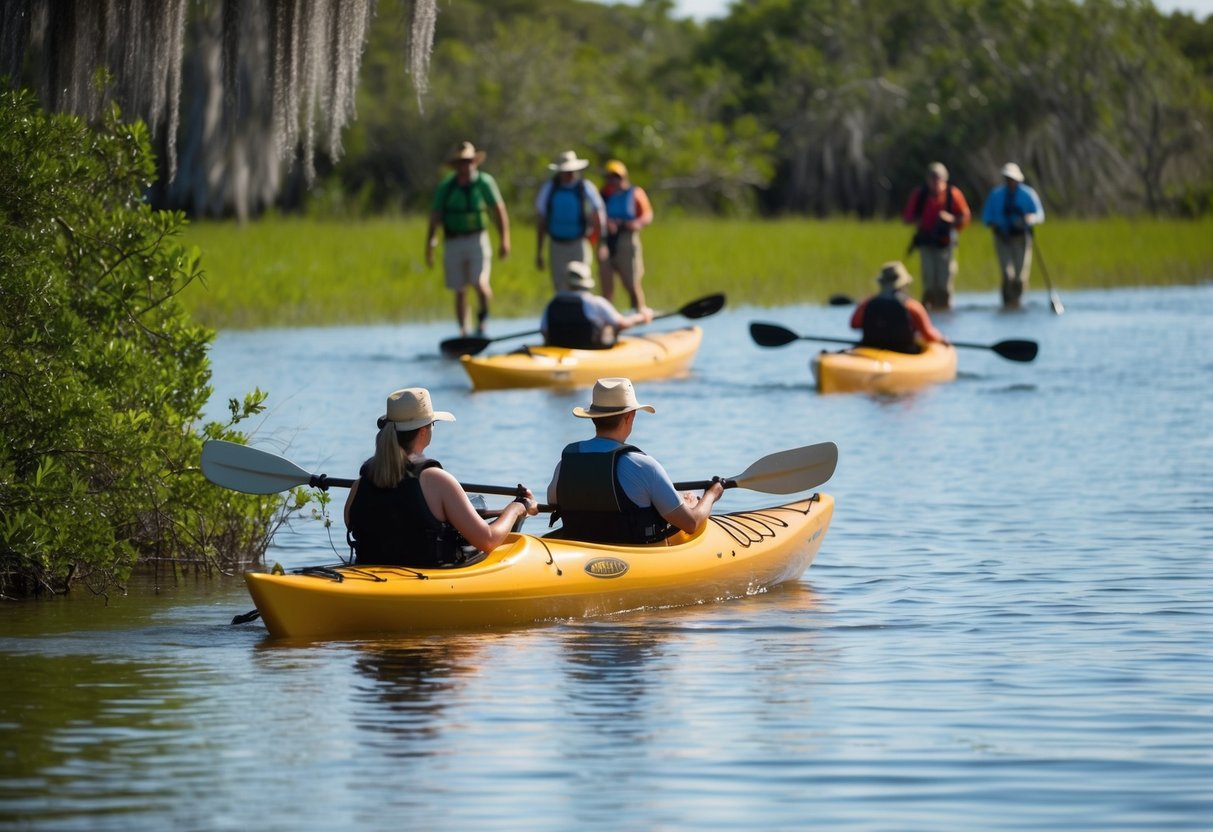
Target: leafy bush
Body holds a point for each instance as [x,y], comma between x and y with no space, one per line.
[102,375]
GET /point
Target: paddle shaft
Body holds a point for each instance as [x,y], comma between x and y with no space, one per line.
[1054,300]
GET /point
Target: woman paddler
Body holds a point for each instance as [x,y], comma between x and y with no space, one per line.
[405,510]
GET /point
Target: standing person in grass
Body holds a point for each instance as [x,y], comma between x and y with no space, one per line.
[891,319]
[461,206]
[627,211]
[571,213]
[612,492]
[1011,210]
[939,212]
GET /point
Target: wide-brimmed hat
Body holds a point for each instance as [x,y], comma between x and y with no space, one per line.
[579,276]
[410,409]
[466,152]
[612,396]
[937,169]
[894,274]
[567,162]
[1011,171]
[617,167]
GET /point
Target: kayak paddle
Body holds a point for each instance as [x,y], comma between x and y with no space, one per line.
[782,472]
[254,471]
[471,345]
[773,335]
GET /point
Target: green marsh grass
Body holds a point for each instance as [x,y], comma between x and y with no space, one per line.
[296,272]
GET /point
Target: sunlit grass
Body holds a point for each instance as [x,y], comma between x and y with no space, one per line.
[282,272]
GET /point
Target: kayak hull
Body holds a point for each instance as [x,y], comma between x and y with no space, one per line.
[638,357]
[530,579]
[863,369]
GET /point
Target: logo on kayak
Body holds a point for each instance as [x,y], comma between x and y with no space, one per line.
[606,567]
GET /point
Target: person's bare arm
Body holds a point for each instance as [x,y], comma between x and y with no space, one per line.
[449,503]
[690,517]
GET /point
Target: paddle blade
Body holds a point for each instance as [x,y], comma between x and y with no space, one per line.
[703,307]
[771,335]
[470,345]
[786,472]
[1055,304]
[1016,350]
[249,470]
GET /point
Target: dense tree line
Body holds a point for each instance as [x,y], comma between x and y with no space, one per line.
[799,106]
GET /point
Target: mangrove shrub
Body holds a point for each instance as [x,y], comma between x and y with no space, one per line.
[102,375]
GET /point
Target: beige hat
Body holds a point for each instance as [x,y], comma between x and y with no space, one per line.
[1011,171]
[611,397]
[579,276]
[567,162]
[937,169]
[410,409]
[466,152]
[894,274]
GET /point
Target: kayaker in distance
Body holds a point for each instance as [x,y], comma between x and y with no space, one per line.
[1011,210]
[404,509]
[578,319]
[891,319]
[612,492]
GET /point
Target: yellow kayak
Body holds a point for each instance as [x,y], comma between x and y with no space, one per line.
[638,357]
[529,579]
[863,369]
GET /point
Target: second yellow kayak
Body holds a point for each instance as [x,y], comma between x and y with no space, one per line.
[638,357]
[863,369]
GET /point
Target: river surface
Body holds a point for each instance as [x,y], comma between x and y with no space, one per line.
[1009,625]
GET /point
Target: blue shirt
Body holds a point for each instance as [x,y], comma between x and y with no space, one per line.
[1008,215]
[643,479]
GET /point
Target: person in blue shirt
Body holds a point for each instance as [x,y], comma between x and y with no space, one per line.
[612,492]
[571,214]
[1011,210]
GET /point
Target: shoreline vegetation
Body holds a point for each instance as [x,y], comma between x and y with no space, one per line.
[281,272]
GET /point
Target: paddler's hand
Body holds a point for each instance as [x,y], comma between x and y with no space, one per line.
[529,504]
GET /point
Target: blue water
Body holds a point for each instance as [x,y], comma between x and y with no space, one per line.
[1008,626]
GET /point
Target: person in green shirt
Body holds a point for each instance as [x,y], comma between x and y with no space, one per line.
[461,206]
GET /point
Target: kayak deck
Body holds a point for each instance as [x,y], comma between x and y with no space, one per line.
[638,357]
[864,369]
[530,579]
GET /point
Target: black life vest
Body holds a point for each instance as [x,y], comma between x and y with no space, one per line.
[568,326]
[593,505]
[941,234]
[887,324]
[395,527]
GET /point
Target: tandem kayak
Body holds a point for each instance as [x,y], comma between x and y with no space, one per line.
[863,369]
[529,579]
[638,357]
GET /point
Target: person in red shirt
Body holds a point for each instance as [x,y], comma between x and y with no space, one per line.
[938,211]
[891,319]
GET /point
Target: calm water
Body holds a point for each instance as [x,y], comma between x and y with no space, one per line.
[1009,624]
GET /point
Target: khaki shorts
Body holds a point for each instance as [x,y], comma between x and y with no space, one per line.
[466,261]
[561,253]
[627,260]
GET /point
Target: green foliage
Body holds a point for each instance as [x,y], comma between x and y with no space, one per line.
[374,271]
[102,374]
[798,106]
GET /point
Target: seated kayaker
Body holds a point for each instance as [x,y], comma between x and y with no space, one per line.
[404,509]
[612,492]
[891,319]
[578,319]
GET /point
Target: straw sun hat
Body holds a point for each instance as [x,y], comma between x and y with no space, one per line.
[1011,171]
[611,397]
[410,409]
[568,162]
[894,274]
[466,152]
[579,276]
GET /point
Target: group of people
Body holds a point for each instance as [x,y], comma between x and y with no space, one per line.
[405,509]
[578,225]
[939,212]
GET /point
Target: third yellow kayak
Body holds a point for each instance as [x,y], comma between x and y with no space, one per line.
[863,369]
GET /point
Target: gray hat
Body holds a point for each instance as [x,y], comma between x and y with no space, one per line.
[579,277]
[894,274]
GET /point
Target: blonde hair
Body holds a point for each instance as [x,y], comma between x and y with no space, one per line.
[389,464]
